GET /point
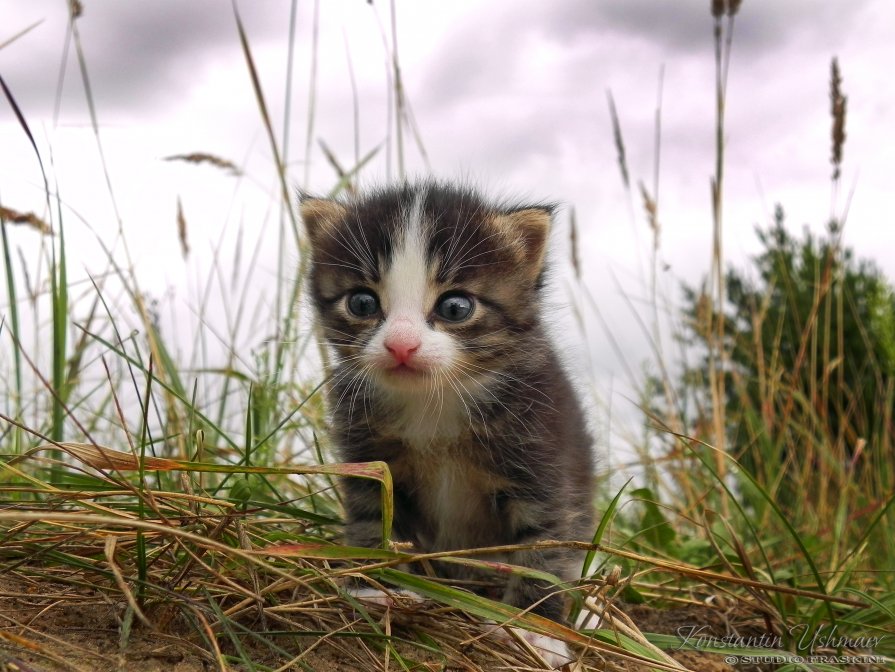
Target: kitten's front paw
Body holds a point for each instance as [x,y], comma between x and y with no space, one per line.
[389,598]
[555,652]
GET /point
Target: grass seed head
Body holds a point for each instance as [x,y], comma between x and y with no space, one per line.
[202,157]
[26,218]
[729,7]
[652,213]
[181,230]
[837,109]
[619,141]
[573,244]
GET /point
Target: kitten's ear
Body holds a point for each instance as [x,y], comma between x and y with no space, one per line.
[529,229]
[320,215]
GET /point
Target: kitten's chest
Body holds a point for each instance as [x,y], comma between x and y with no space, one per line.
[456,500]
[428,423]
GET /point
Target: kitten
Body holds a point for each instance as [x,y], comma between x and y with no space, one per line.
[430,297]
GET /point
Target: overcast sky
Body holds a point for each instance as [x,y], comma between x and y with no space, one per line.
[510,94]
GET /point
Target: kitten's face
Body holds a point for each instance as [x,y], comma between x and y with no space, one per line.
[422,288]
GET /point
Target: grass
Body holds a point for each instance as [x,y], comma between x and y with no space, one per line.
[135,477]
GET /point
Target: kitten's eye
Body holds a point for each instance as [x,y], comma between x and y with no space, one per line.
[363,304]
[454,307]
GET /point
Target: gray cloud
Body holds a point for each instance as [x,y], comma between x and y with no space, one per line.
[138,54]
[685,27]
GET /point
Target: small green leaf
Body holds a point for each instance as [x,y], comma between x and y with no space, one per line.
[655,526]
[241,490]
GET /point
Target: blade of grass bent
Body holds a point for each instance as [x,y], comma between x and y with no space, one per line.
[506,614]
[99,457]
[601,528]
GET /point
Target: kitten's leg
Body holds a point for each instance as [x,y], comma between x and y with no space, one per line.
[363,528]
[530,522]
[535,523]
[543,599]
[363,513]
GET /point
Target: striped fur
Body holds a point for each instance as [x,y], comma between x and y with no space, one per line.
[482,431]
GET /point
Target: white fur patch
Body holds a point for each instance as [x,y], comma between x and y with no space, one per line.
[587,620]
[386,599]
[407,286]
[407,295]
[554,651]
[428,405]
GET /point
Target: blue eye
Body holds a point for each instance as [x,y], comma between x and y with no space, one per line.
[454,307]
[363,303]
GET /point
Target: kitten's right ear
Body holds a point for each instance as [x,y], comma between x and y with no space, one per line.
[320,215]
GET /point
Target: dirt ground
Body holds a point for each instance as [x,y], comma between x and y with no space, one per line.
[47,626]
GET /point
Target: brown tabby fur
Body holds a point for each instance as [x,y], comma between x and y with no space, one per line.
[492,451]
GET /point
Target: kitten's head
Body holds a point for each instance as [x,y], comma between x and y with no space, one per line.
[426,287]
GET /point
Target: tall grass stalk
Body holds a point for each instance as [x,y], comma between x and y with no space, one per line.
[399,92]
[60,307]
[312,91]
[10,278]
[717,352]
[282,263]
[17,391]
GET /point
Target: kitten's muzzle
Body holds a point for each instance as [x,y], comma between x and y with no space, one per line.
[403,341]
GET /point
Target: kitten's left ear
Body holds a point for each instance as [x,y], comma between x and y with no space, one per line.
[529,230]
[320,215]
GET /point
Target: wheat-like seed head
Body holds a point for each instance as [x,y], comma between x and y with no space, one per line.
[181,230]
[837,109]
[202,157]
[652,213]
[729,7]
[27,218]
[573,244]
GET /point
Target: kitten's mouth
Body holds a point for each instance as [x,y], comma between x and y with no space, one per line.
[405,372]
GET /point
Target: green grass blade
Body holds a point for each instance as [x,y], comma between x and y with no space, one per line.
[16,332]
[59,297]
[605,519]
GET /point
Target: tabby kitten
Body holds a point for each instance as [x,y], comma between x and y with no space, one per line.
[430,297]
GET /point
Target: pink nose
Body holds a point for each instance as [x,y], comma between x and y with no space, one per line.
[402,339]
[402,346]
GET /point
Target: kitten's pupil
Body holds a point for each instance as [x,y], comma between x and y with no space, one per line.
[363,304]
[454,307]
